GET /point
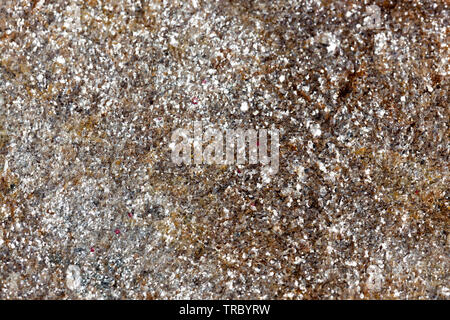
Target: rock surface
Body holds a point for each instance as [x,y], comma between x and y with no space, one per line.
[91,206]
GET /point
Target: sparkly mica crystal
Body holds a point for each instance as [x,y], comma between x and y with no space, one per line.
[92,207]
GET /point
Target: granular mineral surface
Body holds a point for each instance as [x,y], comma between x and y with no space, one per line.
[93,207]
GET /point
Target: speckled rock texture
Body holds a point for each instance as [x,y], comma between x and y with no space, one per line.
[92,207]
